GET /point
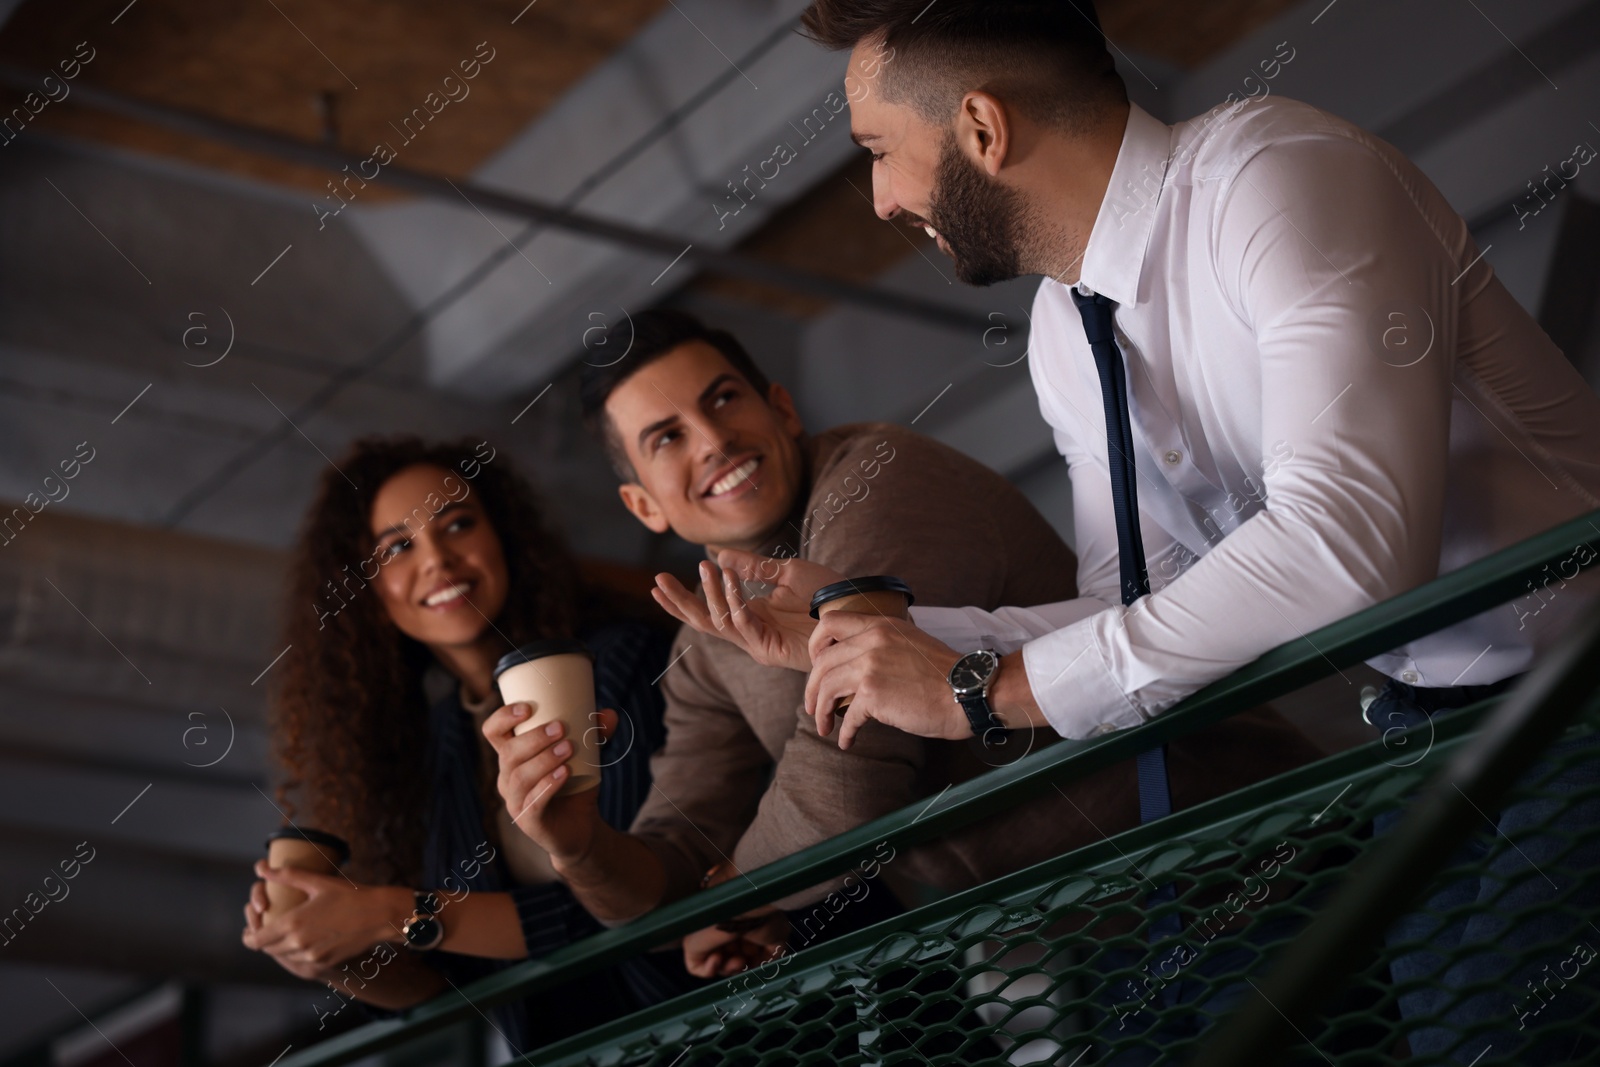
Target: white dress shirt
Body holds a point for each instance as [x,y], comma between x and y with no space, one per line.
[1333,400]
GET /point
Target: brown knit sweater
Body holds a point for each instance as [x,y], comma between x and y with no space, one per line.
[744,775]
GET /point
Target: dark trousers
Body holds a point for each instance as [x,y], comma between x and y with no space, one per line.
[1500,963]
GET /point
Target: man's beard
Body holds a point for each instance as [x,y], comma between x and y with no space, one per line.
[980,219]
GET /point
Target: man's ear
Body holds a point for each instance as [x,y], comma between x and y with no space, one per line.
[637,499]
[983,130]
[779,400]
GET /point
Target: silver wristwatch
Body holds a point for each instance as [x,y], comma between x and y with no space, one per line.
[970,680]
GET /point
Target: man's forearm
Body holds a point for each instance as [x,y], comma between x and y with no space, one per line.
[618,879]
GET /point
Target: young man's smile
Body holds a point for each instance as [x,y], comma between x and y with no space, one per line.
[735,479]
[712,459]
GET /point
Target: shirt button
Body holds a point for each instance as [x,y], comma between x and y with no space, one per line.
[1104,728]
[1409,677]
[1173,457]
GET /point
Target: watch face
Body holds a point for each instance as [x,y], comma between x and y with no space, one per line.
[423,931]
[972,670]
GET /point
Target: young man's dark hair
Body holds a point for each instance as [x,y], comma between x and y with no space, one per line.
[645,338]
[1047,57]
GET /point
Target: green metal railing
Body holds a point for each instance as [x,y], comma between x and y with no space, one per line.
[1563,688]
[1053,961]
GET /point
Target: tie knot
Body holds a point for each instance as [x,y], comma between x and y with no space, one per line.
[1096,311]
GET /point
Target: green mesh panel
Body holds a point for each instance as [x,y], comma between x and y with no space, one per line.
[1055,965]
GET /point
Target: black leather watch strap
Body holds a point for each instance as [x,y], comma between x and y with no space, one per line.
[969,680]
[981,716]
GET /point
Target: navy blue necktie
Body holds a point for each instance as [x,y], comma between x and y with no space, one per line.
[1155,796]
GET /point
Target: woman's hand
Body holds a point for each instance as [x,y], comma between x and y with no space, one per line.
[338,920]
[752,939]
[773,629]
[533,768]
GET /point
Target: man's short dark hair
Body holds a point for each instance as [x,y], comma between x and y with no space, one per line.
[645,338]
[1046,57]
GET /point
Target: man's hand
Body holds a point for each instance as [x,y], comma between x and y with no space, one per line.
[533,767]
[752,939]
[771,629]
[337,921]
[884,669]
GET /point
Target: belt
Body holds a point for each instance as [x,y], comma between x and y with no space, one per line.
[1430,700]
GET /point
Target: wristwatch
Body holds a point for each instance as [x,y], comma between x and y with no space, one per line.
[423,931]
[970,679]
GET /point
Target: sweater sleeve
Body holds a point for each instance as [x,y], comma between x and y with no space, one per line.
[882,505]
[707,777]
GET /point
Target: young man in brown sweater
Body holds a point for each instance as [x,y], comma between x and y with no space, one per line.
[708,448]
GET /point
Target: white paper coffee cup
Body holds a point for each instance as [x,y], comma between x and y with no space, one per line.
[556,679]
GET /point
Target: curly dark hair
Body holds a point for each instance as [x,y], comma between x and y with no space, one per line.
[349,714]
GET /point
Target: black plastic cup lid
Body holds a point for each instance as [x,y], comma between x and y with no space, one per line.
[873,583]
[315,837]
[538,650]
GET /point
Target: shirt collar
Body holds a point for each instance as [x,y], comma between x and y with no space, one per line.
[1121,234]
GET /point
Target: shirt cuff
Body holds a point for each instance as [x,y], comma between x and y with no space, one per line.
[1073,682]
[1004,630]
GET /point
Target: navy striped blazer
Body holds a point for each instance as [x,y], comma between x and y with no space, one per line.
[628,658]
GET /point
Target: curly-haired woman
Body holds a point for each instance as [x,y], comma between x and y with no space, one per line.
[418,567]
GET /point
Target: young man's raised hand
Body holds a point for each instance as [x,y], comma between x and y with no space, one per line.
[774,629]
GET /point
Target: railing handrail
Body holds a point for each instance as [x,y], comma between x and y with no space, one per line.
[1448,599]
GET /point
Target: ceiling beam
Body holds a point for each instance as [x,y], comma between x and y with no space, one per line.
[337,160]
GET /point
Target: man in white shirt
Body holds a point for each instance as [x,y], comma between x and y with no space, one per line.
[1330,397]
[1333,397]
